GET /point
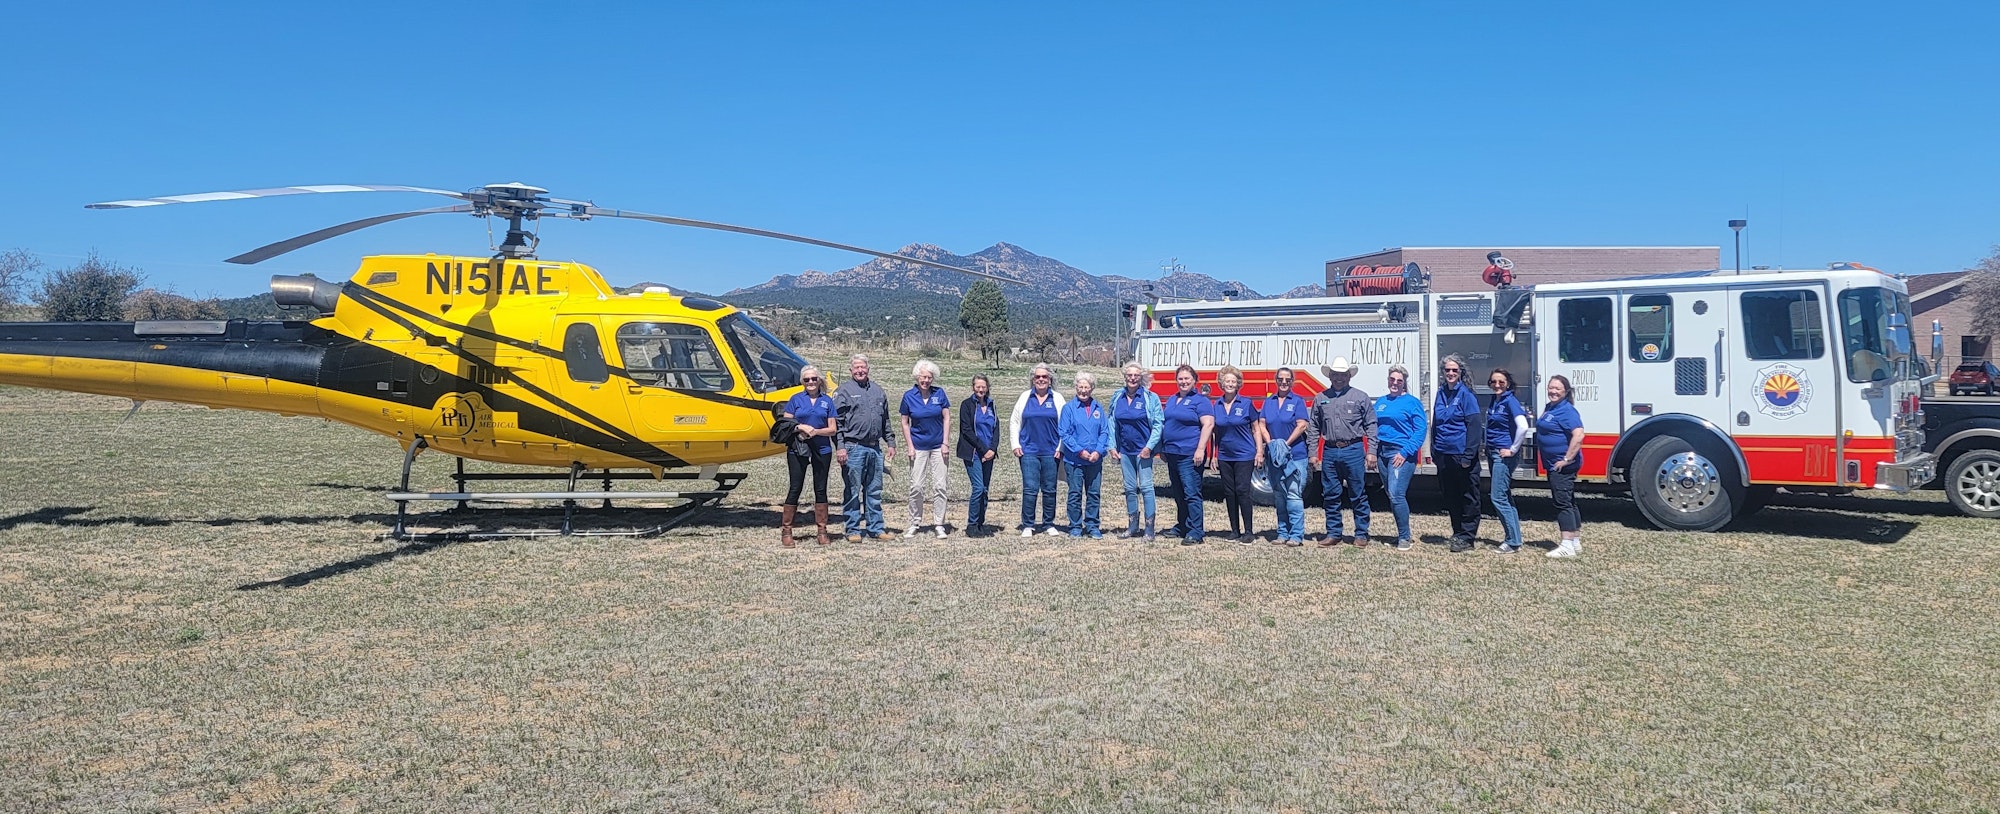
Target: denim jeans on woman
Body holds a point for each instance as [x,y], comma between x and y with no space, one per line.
[1501,472]
[1038,480]
[1138,483]
[1396,481]
[1288,489]
[981,474]
[1184,473]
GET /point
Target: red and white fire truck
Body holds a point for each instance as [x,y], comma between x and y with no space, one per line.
[1700,392]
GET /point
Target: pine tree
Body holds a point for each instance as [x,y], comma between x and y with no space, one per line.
[983,315]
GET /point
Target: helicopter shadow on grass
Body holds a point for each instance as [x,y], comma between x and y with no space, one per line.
[72,517]
[456,525]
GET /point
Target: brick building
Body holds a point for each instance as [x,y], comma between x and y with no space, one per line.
[1938,298]
[1458,269]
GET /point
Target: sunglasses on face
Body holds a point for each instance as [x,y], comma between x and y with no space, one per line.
[1395,382]
[810,379]
[1498,382]
[1284,381]
[1041,376]
[1451,371]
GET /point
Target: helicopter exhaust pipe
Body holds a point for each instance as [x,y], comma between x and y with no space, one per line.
[290,289]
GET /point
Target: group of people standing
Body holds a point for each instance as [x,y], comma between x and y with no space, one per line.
[1341,432]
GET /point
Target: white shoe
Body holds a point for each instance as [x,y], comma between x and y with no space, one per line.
[1053,531]
[1567,548]
[940,532]
[909,532]
[1027,532]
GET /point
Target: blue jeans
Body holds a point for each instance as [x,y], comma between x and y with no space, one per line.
[981,474]
[1138,483]
[1396,480]
[1341,475]
[861,488]
[1184,475]
[1086,481]
[1038,479]
[1288,487]
[1501,473]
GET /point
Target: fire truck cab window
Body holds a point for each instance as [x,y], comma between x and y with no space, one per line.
[682,357]
[1584,328]
[1864,330]
[1649,321]
[1783,325]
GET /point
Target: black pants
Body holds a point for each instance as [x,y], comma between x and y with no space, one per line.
[1236,494]
[1458,480]
[795,465]
[1562,489]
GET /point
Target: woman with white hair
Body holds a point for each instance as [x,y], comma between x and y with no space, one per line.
[1085,434]
[1138,417]
[1034,440]
[926,415]
[814,412]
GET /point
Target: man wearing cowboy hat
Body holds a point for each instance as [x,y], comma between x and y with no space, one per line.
[1344,418]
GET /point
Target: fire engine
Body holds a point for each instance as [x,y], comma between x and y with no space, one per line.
[1700,392]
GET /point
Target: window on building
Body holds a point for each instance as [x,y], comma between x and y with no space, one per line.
[1584,327]
[1783,325]
[1649,323]
[664,354]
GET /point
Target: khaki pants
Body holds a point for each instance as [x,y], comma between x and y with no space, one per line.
[927,477]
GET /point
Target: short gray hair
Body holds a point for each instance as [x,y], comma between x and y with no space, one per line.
[859,357]
[1041,367]
[923,365]
[1087,377]
[1134,366]
[1400,369]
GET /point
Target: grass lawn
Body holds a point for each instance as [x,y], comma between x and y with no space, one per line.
[196,614]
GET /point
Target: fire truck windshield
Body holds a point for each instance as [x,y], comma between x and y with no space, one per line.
[1864,330]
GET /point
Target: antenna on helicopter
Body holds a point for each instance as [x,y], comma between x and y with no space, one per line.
[517,202]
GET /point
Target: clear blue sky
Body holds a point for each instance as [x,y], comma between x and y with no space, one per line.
[1251,141]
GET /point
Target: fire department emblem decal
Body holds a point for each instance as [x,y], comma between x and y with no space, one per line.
[1783,391]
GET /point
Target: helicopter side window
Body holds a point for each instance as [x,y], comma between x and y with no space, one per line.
[583,355]
[768,363]
[682,357]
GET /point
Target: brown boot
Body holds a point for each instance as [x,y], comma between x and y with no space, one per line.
[819,515]
[785,531]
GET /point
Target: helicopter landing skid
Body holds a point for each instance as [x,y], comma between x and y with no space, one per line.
[695,501]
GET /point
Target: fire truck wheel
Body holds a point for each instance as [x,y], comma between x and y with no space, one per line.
[1682,488]
[1260,488]
[1972,483]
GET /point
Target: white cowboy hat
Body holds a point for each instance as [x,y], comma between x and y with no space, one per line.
[1340,366]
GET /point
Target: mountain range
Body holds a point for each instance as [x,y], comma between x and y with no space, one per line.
[1045,279]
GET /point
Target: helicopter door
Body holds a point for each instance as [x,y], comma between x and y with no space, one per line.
[677,381]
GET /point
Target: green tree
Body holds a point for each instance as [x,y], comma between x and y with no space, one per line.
[983,315]
[94,289]
[152,303]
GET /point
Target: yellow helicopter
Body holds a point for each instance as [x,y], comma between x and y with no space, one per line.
[508,359]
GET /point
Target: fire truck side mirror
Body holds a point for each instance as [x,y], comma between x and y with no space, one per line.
[1898,337]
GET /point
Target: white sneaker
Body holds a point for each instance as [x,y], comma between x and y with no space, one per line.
[1028,532]
[1566,548]
[1053,531]
[909,532]
[940,532]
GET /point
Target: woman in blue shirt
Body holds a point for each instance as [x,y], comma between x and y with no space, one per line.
[1506,430]
[1190,421]
[1559,437]
[1454,450]
[1399,426]
[1085,432]
[1138,417]
[813,409]
[1034,442]
[978,430]
[1235,451]
[926,415]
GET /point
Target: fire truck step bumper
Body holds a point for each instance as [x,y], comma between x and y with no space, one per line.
[1908,475]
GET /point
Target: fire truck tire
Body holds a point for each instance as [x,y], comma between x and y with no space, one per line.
[1682,488]
[1260,488]
[1972,483]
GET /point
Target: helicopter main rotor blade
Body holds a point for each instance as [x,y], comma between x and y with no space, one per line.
[240,194]
[702,224]
[264,253]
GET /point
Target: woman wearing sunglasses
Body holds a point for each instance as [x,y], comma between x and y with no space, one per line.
[1400,422]
[1506,429]
[1454,450]
[814,412]
[1034,426]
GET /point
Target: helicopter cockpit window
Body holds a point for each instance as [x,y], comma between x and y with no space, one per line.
[683,357]
[768,362]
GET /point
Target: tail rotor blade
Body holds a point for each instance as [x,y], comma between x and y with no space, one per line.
[745,230]
[264,253]
[241,194]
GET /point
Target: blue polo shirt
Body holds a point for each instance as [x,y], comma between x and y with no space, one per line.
[1552,431]
[1500,420]
[814,412]
[1036,427]
[926,417]
[1183,429]
[1282,414]
[1236,429]
[1452,413]
[1134,420]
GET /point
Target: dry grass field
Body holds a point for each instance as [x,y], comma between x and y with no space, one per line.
[197,614]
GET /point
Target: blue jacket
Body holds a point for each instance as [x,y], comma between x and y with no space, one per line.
[1084,429]
[1452,413]
[1132,434]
